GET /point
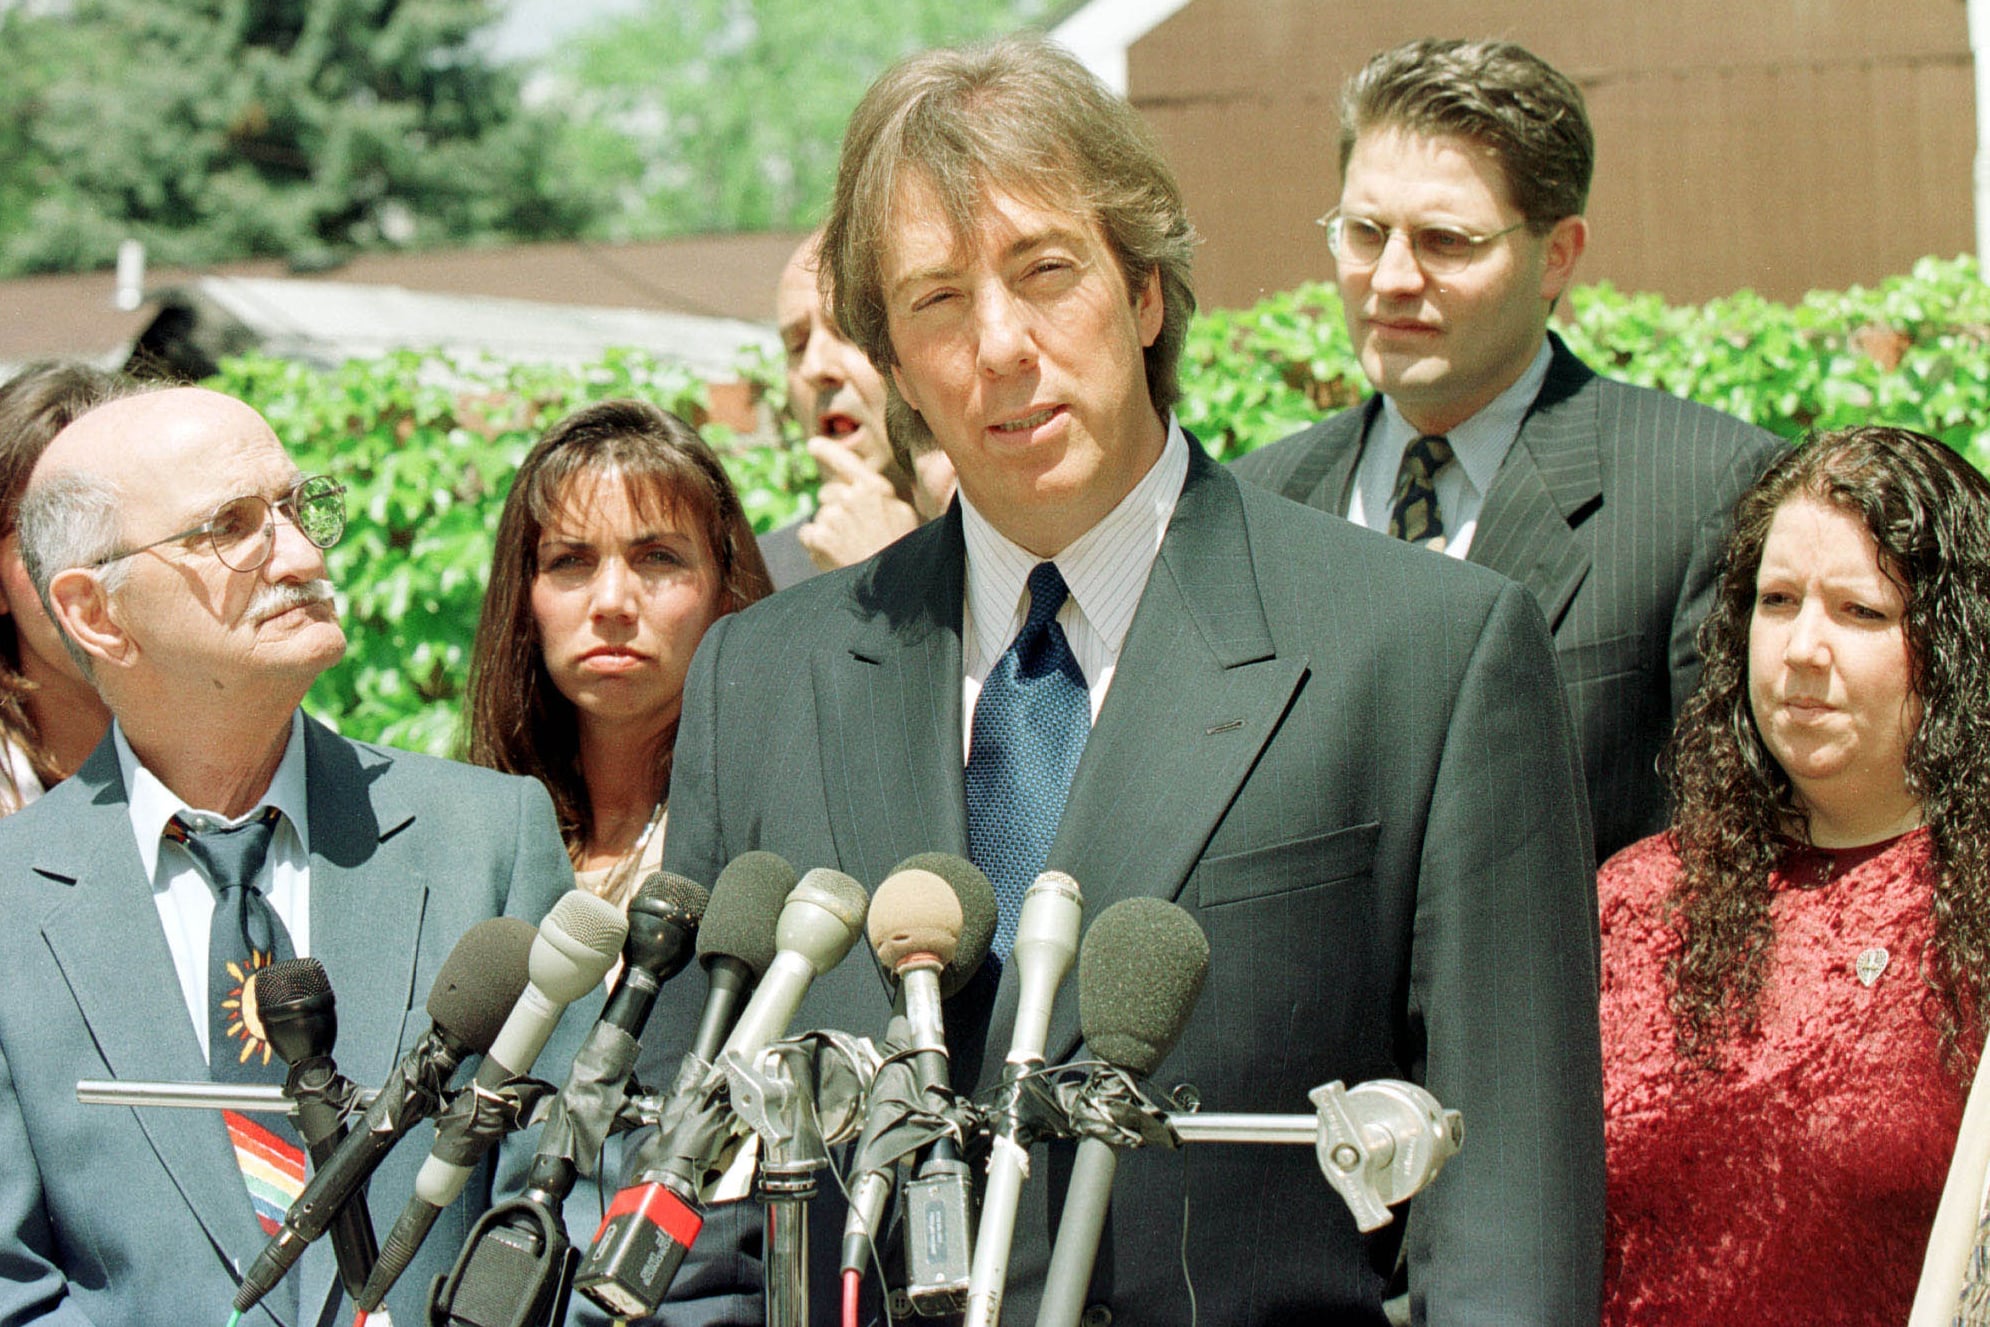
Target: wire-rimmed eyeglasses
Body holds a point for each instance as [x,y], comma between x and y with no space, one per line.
[1358,242]
[242,530]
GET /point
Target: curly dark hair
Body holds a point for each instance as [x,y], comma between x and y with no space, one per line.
[1928,511]
[518,721]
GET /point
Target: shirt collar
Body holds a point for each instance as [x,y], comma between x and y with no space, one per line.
[1482,442]
[152,803]
[1105,568]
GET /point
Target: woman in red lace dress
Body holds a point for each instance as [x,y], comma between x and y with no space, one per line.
[1793,975]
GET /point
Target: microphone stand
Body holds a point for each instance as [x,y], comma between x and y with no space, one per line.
[770,1101]
[244,1097]
[786,1096]
[1377,1143]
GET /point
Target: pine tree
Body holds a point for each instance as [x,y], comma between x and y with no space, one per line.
[218,129]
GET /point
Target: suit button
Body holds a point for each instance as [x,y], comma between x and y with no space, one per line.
[1186,1096]
[898,1306]
[1095,1315]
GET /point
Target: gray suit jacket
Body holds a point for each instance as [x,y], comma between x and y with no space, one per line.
[1362,790]
[788,563]
[1612,509]
[113,1215]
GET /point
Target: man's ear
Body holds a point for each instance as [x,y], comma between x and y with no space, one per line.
[1566,242]
[83,611]
[1150,308]
[898,381]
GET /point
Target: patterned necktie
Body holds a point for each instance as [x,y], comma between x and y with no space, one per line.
[1030,725]
[244,935]
[1413,513]
[1973,1307]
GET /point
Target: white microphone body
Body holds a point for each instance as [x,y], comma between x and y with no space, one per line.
[819,923]
[577,943]
[1046,943]
[1079,1229]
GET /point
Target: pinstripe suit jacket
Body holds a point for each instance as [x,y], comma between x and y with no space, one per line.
[123,1216]
[1612,509]
[1362,790]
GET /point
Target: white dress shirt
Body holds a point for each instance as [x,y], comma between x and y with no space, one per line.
[1480,445]
[1105,569]
[184,900]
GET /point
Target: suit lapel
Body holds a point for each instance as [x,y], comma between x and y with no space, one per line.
[1325,476]
[889,708]
[1197,692]
[107,941]
[369,893]
[369,890]
[1549,483]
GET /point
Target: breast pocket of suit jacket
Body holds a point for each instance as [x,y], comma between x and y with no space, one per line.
[1610,684]
[1301,963]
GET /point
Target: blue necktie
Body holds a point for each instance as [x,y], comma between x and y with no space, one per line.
[1030,725]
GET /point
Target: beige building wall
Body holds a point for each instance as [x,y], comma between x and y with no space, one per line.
[1781,145]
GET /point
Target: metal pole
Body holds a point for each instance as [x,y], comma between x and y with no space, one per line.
[191,1096]
[1979,49]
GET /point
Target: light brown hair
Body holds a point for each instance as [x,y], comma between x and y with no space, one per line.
[1023,116]
[35,404]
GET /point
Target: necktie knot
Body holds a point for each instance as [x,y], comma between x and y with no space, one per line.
[229,856]
[1047,594]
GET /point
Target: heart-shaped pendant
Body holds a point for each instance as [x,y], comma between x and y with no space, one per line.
[1871,963]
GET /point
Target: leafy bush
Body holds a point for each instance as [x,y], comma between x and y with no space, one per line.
[1913,351]
[427,448]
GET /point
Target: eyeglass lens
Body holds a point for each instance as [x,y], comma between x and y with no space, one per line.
[1435,248]
[244,530]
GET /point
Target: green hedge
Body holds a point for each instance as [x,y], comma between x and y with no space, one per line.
[1913,351]
[427,447]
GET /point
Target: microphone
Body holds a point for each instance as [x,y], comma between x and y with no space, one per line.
[517,1258]
[736,945]
[818,924]
[930,925]
[653,1222]
[289,1005]
[1140,974]
[1046,942]
[481,980]
[575,946]
[663,931]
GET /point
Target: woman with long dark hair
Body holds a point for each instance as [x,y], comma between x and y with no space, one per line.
[620,543]
[1794,975]
[50,716]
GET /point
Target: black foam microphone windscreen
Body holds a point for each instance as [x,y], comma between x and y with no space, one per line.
[1140,972]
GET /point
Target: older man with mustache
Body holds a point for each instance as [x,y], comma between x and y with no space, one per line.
[214,830]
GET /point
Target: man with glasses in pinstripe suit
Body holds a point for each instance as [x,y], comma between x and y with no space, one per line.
[1465,169]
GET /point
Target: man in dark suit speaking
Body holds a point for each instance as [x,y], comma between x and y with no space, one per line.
[1352,767]
[1465,168]
[215,829]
